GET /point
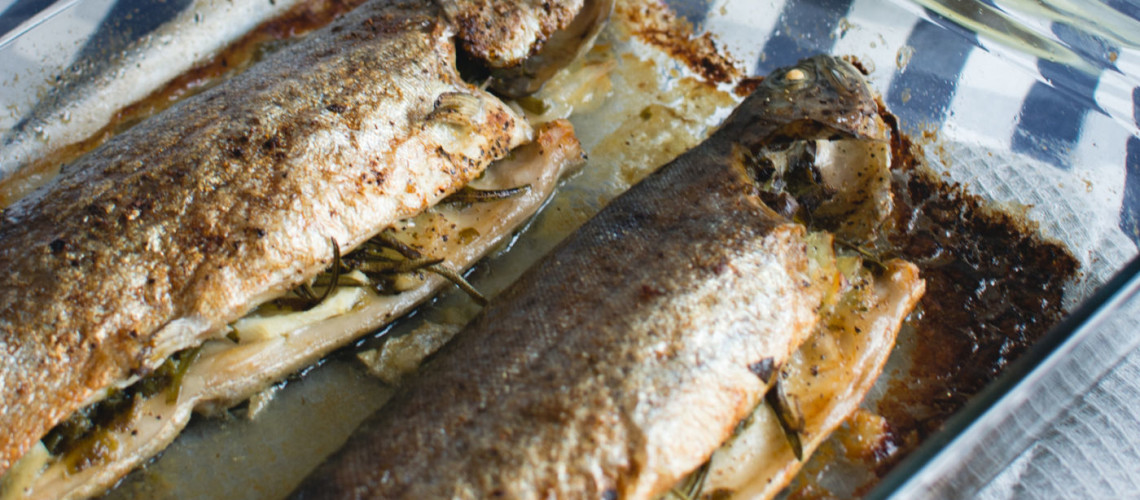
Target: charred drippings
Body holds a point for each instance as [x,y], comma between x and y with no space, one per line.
[993,288]
[747,85]
[664,30]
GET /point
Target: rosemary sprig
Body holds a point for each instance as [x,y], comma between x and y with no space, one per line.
[372,260]
[468,195]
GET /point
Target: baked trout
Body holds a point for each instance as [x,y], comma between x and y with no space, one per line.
[619,362]
[157,240]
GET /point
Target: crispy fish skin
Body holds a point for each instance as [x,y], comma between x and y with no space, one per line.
[590,367]
[225,374]
[159,238]
[504,33]
[557,52]
[620,361]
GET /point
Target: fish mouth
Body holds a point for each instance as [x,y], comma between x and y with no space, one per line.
[821,97]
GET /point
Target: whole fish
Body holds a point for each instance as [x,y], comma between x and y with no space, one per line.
[158,239]
[620,361]
[267,345]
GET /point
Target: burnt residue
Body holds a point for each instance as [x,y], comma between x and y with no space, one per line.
[857,63]
[662,28]
[993,287]
[746,86]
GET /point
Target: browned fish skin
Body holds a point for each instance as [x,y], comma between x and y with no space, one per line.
[163,235]
[504,33]
[619,362]
[557,52]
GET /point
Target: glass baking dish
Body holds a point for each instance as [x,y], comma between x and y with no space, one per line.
[1031,105]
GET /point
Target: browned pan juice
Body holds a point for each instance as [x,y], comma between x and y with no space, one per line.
[993,287]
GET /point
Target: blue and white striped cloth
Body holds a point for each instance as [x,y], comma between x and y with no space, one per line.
[1052,94]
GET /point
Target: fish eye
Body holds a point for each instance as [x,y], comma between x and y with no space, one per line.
[794,78]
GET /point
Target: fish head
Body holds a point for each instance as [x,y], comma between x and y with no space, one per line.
[821,97]
[812,141]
